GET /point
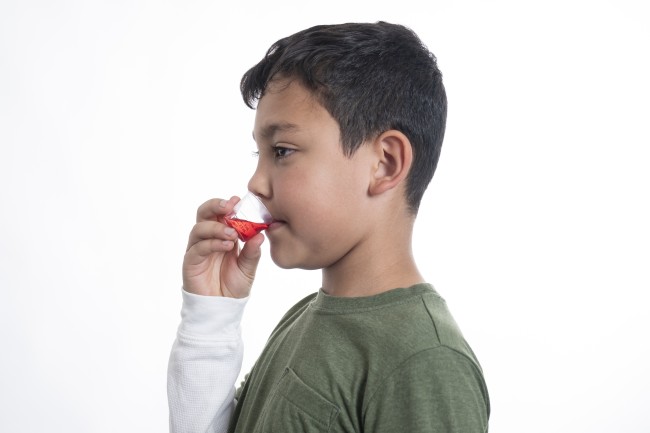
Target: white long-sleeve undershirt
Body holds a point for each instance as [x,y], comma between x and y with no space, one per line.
[204,364]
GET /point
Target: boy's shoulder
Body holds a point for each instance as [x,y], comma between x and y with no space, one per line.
[405,318]
[448,333]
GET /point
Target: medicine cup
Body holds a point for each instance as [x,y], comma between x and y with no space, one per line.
[249,217]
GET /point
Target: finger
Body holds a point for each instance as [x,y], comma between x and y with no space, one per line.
[206,230]
[214,208]
[250,254]
[200,250]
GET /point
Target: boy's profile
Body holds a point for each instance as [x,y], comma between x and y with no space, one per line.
[349,124]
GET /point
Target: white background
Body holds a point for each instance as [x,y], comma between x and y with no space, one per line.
[117,119]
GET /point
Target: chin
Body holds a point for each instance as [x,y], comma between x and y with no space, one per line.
[291,260]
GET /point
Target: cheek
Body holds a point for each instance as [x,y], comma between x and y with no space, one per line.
[330,204]
[304,203]
[323,194]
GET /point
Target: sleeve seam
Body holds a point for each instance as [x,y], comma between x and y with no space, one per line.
[399,367]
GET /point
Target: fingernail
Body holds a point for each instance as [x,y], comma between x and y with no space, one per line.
[223,203]
[229,231]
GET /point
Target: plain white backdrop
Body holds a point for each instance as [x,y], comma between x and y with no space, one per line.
[119,118]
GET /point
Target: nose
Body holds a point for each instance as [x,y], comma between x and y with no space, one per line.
[259,183]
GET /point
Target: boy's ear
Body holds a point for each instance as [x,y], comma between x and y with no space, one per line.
[394,156]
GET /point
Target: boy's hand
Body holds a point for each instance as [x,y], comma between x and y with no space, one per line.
[213,264]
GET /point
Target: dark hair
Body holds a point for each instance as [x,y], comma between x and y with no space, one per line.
[371,78]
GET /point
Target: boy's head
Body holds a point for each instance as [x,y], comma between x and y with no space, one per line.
[370,78]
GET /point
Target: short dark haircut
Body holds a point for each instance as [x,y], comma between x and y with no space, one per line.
[371,78]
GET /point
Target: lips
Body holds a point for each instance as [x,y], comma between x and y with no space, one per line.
[274,220]
[276,224]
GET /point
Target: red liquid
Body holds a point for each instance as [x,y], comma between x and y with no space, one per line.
[246,229]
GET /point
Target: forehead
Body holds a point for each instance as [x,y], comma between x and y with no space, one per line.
[287,106]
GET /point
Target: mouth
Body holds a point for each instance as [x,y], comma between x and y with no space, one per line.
[275,224]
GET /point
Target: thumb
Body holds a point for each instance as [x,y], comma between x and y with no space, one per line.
[250,255]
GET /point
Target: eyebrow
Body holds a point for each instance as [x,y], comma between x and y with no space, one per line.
[270,130]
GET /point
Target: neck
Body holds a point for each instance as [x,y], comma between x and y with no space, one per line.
[374,266]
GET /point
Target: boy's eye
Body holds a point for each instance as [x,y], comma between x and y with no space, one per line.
[281,152]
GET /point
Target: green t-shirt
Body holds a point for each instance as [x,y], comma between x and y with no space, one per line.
[393,362]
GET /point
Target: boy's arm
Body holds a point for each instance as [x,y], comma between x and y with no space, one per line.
[204,364]
[437,390]
[206,356]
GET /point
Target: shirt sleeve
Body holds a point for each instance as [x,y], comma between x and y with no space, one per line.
[436,390]
[204,363]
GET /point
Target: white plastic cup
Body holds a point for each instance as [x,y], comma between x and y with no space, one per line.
[249,217]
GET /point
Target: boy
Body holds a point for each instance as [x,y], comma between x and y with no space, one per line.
[349,124]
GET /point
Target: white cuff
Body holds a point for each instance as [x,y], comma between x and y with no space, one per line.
[211,317]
